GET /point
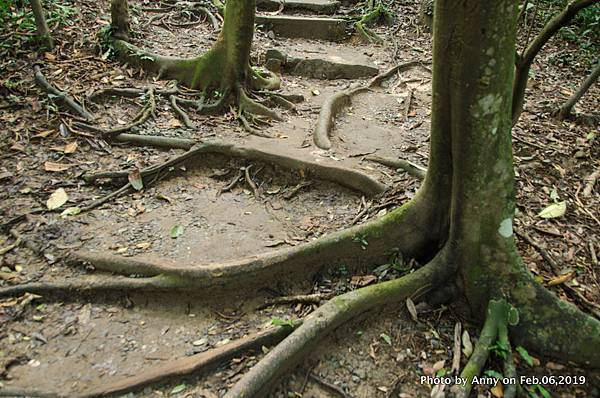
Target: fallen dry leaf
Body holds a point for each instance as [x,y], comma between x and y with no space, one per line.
[57,199]
[71,147]
[52,167]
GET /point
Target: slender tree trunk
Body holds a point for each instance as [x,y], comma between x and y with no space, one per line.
[119,14]
[523,62]
[40,23]
[565,110]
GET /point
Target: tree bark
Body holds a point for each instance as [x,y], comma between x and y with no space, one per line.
[40,24]
[524,61]
[565,110]
[481,39]
[119,15]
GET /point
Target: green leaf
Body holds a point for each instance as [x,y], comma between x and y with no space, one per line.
[135,179]
[176,231]
[493,373]
[282,323]
[554,210]
[177,389]
[386,338]
[525,355]
[70,211]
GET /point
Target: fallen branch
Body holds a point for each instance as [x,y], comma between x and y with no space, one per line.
[194,364]
[565,110]
[399,164]
[328,386]
[328,317]
[61,95]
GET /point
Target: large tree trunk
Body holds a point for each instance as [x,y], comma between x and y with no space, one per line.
[478,54]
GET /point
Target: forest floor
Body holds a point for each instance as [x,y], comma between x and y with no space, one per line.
[69,344]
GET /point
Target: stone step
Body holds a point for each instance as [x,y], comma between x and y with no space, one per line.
[318,6]
[333,64]
[333,29]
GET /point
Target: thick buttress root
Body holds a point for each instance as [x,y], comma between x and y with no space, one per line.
[405,229]
[331,315]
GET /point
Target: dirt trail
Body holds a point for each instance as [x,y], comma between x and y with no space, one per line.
[67,347]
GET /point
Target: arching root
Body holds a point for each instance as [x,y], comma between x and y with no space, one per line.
[326,318]
[195,364]
[343,176]
[334,104]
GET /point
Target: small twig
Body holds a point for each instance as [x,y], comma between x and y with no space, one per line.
[411,94]
[540,249]
[16,243]
[331,387]
[361,213]
[115,194]
[231,183]
[590,181]
[315,298]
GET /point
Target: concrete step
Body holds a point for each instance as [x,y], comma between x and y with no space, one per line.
[318,6]
[333,29]
[330,63]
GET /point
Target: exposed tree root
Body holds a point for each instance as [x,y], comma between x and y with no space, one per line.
[331,315]
[62,96]
[334,104]
[156,141]
[496,320]
[411,168]
[142,116]
[9,391]
[343,176]
[194,364]
[330,109]
[181,113]
[112,284]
